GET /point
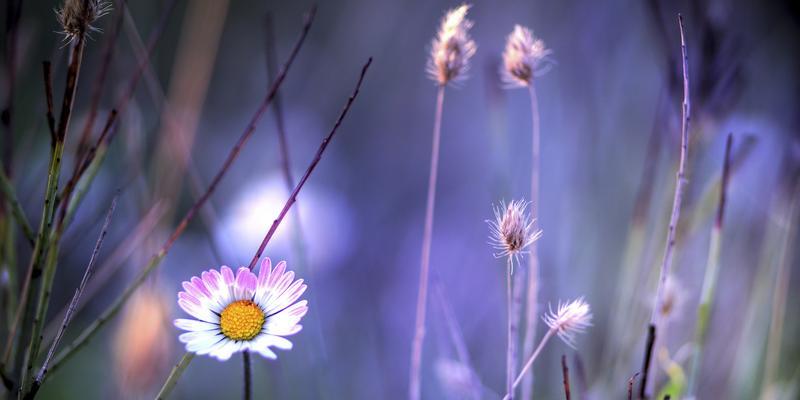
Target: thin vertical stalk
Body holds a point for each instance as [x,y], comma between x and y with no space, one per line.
[248,375]
[529,363]
[510,339]
[680,185]
[710,278]
[427,236]
[457,337]
[16,209]
[172,379]
[35,268]
[532,303]
[565,373]
[779,297]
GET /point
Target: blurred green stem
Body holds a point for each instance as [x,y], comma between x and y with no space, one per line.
[173,377]
[779,297]
[16,209]
[711,274]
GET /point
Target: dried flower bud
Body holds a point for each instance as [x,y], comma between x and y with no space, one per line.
[512,229]
[76,16]
[452,48]
[570,318]
[525,56]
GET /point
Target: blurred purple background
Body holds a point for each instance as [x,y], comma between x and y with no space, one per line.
[617,77]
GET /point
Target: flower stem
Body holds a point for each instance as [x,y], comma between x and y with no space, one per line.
[427,235]
[174,375]
[531,317]
[530,361]
[248,375]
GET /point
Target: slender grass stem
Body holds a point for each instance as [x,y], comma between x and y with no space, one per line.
[780,296]
[680,185]
[16,209]
[530,361]
[565,374]
[710,278]
[116,306]
[510,339]
[457,337]
[174,375]
[44,239]
[648,357]
[427,236]
[73,303]
[532,303]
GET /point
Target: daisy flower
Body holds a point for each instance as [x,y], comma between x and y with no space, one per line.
[241,312]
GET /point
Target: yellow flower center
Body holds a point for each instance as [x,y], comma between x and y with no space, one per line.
[241,320]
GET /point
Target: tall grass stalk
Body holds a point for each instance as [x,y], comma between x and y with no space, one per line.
[44,237]
[532,303]
[16,209]
[779,297]
[710,278]
[514,298]
[427,236]
[679,187]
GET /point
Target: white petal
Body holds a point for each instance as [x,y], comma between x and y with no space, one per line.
[194,325]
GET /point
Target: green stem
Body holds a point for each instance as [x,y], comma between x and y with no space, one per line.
[16,209]
[173,377]
[704,309]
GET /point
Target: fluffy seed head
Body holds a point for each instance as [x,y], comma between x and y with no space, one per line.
[525,56]
[570,318]
[76,16]
[512,229]
[452,47]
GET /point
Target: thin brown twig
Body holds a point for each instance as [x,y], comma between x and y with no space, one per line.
[121,104]
[277,107]
[648,355]
[73,305]
[631,381]
[310,169]
[565,373]
[99,85]
[726,172]
[47,70]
